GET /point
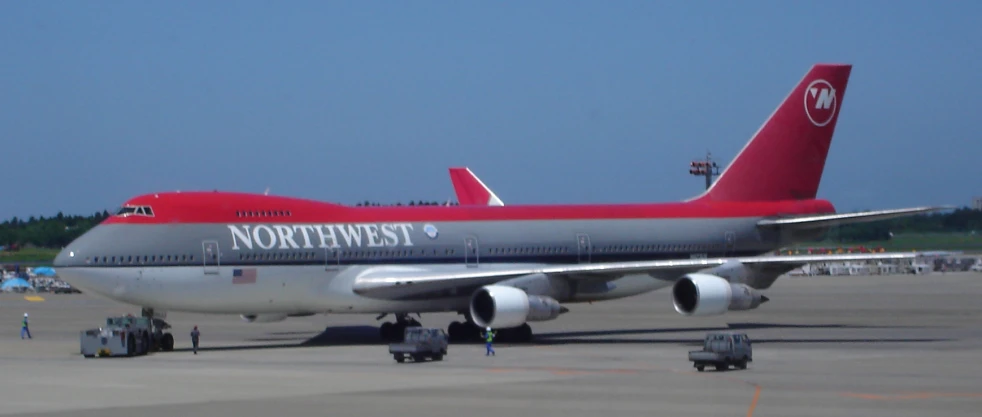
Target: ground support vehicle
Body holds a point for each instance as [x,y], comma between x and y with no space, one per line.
[420,343]
[126,336]
[722,349]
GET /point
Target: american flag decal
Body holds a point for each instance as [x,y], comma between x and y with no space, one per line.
[244,276]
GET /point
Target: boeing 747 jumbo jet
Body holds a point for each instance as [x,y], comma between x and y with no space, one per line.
[267,258]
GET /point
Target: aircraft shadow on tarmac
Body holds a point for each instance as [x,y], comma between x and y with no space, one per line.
[605,336]
[369,336]
[331,336]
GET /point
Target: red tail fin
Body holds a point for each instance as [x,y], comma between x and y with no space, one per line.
[470,190]
[784,160]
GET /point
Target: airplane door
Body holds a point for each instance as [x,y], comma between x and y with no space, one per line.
[729,242]
[583,248]
[212,256]
[470,252]
[332,258]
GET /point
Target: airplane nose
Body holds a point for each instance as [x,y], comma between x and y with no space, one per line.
[65,258]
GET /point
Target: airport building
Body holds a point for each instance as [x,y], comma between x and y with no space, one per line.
[977,203]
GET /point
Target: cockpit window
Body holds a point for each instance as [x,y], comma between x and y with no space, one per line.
[134,211]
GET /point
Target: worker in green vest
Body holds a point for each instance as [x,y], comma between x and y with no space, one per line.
[488,338]
[24,329]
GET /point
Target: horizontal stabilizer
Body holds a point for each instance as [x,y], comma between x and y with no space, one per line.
[827,220]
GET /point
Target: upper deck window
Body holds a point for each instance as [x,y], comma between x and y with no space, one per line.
[135,211]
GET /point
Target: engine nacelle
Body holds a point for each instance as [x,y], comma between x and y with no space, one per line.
[706,295]
[263,318]
[502,307]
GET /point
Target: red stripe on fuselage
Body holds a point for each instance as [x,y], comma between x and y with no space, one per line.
[224,207]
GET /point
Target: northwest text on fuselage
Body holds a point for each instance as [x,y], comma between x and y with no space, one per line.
[309,236]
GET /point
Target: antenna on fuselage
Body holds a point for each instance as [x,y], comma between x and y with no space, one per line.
[266,192]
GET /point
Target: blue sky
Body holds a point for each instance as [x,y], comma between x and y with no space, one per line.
[547,101]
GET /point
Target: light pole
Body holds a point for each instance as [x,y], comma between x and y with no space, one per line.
[705,168]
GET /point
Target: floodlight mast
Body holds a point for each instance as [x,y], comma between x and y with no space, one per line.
[705,168]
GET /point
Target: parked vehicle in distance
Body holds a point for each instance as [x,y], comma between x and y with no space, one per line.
[722,349]
[420,343]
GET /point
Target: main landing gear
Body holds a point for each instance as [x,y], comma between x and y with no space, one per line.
[458,332]
[467,331]
[464,332]
[394,332]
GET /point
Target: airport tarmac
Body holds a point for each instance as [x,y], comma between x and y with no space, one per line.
[824,346]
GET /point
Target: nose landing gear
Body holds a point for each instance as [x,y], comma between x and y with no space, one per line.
[159,339]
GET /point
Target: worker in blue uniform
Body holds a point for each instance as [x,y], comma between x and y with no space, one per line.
[488,338]
[195,334]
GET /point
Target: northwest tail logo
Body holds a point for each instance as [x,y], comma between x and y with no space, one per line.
[820,102]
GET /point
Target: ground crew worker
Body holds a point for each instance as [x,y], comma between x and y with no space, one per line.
[194,339]
[488,338]
[24,329]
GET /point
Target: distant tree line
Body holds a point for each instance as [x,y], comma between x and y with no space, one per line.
[59,230]
[46,232]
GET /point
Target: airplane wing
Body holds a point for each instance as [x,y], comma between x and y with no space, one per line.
[471,190]
[826,220]
[414,282]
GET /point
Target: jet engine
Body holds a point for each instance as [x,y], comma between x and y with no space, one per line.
[263,318]
[706,295]
[503,307]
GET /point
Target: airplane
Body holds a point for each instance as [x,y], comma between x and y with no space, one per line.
[267,257]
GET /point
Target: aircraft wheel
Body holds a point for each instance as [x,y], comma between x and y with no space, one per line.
[469,332]
[524,333]
[398,332]
[167,342]
[455,332]
[392,332]
[385,331]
